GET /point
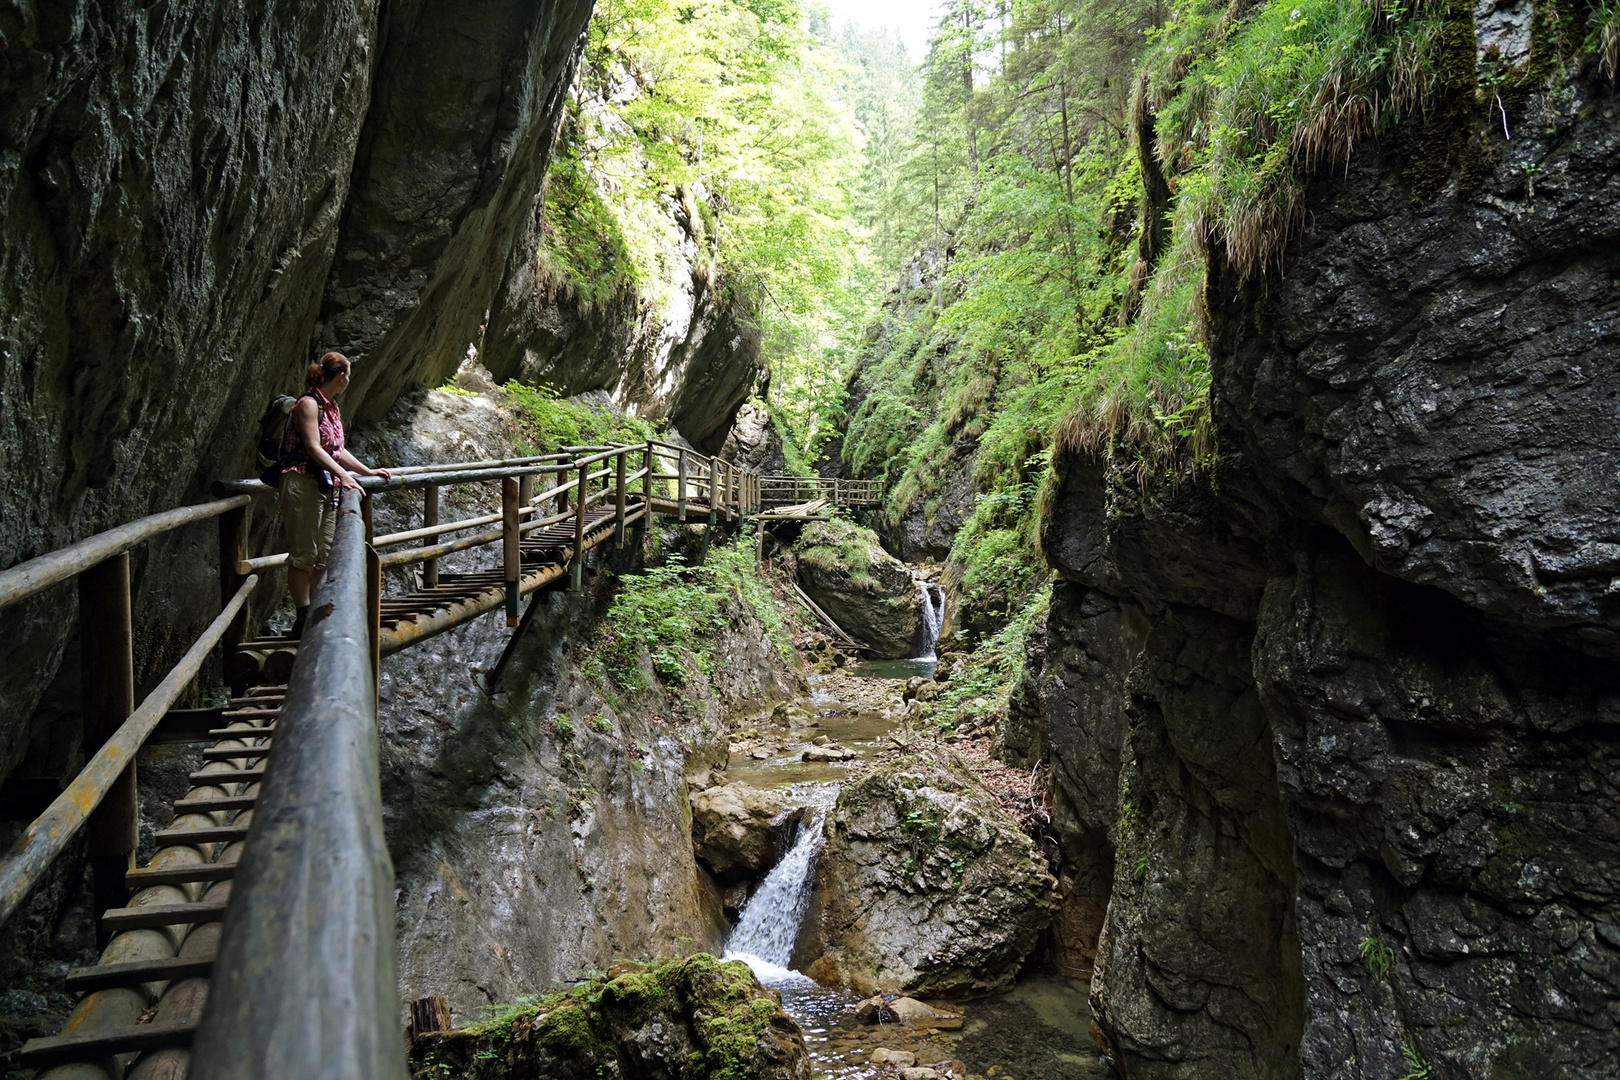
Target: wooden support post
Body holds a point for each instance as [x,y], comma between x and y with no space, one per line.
[430,517]
[427,1014]
[107,683]
[233,541]
[576,569]
[680,486]
[511,554]
[365,515]
[619,495]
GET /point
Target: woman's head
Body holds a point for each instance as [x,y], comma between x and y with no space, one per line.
[329,374]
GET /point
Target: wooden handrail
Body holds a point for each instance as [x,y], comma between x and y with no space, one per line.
[38,574]
[306,980]
[48,834]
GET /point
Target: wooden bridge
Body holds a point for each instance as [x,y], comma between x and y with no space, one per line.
[258,941]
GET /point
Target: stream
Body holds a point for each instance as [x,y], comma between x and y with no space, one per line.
[1038,1031]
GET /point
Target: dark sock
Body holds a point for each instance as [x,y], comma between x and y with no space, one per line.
[298,623]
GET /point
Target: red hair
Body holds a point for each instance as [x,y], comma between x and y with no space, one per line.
[327,368]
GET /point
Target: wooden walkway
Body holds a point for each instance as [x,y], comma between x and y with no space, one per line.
[229,926]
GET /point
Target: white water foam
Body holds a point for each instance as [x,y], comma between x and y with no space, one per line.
[933,617]
[764,936]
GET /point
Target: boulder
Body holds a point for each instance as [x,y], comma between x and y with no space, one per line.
[740,831]
[868,592]
[899,1059]
[691,1019]
[826,753]
[929,888]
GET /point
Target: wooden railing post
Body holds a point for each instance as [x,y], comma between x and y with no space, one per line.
[576,568]
[680,486]
[511,555]
[619,495]
[107,652]
[430,517]
[233,542]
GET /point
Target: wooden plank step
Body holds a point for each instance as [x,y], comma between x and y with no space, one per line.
[135,972]
[268,688]
[208,834]
[155,916]
[250,714]
[123,1039]
[179,875]
[235,753]
[209,803]
[228,776]
[262,699]
[255,732]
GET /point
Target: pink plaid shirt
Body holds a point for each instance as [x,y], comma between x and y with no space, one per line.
[331,428]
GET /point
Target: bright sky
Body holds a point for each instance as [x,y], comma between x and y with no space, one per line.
[912,18]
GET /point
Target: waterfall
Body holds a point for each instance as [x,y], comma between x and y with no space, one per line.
[933,617]
[764,935]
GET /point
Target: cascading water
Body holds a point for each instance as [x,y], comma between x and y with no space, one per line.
[764,936]
[933,617]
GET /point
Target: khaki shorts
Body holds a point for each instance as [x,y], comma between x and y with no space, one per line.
[308,521]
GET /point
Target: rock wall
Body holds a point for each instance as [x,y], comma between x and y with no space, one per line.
[1338,720]
[681,345]
[183,190]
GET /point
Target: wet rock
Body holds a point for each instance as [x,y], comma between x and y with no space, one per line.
[1332,731]
[739,829]
[911,1011]
[868,592]
[826,753]
[899,1059]
[929,887]
[912,685]
[691,1019]
[918,1072]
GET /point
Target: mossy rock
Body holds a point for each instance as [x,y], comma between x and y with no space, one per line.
[868,592]
[690,1019]
[930,887]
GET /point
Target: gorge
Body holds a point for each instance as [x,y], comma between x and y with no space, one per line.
[1226,685]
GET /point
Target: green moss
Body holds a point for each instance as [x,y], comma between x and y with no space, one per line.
[583,256]
[842,547]
[546,422]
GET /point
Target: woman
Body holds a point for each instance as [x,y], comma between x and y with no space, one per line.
[315,467]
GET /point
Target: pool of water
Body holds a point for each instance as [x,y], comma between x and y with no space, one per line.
[893,669]
[1038,1031]
[857,731]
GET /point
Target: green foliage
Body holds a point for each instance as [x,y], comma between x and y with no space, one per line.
[545,421]
[1419,1068]
[1376,955]
[741,121]
[667,611]
[583,254]
[993,670]
[672,614]
[1603,36]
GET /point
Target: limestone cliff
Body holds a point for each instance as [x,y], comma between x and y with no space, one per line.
[1334,723]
